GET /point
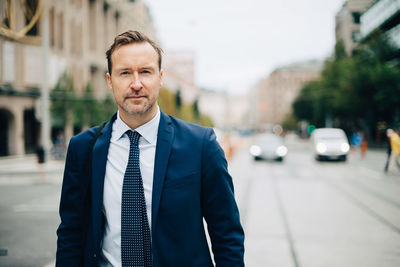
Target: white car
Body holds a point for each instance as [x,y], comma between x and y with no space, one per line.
[268,147]
[330,144]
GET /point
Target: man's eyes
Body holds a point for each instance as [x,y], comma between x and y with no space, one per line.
[124,73]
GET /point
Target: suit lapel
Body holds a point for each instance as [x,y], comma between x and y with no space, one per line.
[163,149]
[99,161]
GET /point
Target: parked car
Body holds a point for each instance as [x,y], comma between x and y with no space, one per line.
[268,147]
[330,144]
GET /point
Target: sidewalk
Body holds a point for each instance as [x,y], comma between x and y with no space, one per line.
[25,170]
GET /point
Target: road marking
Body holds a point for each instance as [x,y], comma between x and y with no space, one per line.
[285,220]
[345,192]
[357,185]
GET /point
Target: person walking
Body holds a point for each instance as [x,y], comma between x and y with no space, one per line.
[364,145]
[388,152]
[394,156]
[138,195]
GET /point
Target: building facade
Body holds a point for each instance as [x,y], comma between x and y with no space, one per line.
[383,15]
[348,21]
[226,110]
[274,95]
[179,74]
[79,33]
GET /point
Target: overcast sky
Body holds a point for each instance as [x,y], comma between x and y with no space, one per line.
[237,42]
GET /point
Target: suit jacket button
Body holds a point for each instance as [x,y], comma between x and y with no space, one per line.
[94,255]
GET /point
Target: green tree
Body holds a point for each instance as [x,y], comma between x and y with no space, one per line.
[188,112]
[358,91]
[108,108]
[62,101]
[166,101]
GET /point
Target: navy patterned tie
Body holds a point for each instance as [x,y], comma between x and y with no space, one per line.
[135,231]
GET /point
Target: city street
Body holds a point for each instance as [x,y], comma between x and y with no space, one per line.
[298,212]
[28,211]
[319,214]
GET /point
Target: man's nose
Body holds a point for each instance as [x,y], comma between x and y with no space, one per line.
[136,84]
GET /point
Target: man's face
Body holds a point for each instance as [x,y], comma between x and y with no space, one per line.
[135,79]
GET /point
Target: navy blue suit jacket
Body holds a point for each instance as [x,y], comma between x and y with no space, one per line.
[191,182]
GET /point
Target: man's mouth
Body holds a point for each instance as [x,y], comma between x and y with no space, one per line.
[135,97]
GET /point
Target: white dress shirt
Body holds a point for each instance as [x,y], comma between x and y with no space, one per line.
[117,160]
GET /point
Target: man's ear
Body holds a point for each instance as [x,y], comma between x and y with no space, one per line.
[109,82]
[161,77]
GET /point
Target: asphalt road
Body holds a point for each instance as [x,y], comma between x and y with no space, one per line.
[296,213]
[28,223]
[307,213]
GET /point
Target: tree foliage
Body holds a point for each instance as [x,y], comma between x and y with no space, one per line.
[86,110]
[358,91]
[172,104]
[82,110]
[62,100]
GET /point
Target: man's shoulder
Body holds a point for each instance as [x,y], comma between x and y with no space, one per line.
[188,127]
[85,137]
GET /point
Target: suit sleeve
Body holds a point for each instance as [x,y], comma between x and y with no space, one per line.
[219,206]
[70,232]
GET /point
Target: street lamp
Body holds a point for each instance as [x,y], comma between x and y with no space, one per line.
[45,111]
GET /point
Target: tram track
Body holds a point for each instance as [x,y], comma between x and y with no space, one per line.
[283,214]
[359,203]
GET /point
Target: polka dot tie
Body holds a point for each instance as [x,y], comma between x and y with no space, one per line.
[135,230]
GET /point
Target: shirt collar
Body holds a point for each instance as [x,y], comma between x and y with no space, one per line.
[148,130]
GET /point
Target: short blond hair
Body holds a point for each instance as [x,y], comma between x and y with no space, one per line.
[130,37]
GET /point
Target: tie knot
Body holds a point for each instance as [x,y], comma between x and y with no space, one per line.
[133,137]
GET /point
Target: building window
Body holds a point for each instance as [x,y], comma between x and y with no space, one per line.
[92,25]
[79,46]
[4,14]
[52,28]
[355,36]
[61,32]
[356,17]
[105,24]
[116,15]
[8,62]
[106,6]
[72,35]
[30,9]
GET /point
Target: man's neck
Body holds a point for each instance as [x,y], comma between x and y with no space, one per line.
[137,120]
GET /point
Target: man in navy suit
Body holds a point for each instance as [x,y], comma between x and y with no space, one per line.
[183,173]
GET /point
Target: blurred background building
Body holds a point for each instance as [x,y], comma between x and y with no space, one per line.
[384,16]
[227,111]
[348,21]
[179,70]
[273,96]
[80,31]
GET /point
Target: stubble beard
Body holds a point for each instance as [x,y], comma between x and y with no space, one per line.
[137,109]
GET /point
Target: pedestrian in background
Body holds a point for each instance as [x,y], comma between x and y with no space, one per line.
[154,179]
[355,141]
[388,151]
[394,155]
[40,159]
[364,145]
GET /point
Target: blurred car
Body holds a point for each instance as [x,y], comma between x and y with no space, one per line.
[268,147]
[330,144]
